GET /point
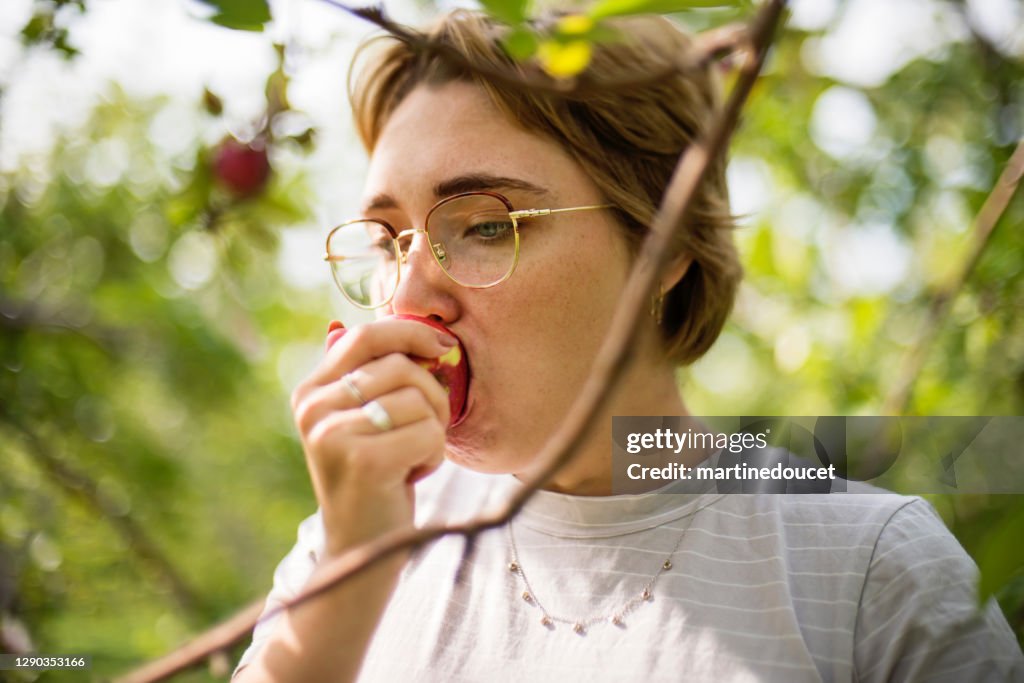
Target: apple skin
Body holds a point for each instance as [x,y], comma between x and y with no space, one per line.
[243,169]
[450,369]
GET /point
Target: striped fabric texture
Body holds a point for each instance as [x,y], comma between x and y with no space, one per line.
[842,587]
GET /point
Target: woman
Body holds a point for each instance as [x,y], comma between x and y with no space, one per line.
[584,584]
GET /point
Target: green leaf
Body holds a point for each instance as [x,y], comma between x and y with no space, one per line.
[512,12]
[615,8]
[244,15]
[37,27]
[521,43]
[1001,555]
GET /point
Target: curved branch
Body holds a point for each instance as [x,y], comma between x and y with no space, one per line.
[611,361]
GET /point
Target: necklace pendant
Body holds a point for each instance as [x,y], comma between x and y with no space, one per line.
[546,621]
[513,566]
[578,628]
[646,595]
[527,597]
[667,564]
[617,620]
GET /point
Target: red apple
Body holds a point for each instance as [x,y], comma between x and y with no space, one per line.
[243,169]
[450,369]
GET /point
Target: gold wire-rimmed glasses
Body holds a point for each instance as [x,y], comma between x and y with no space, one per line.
[473,236]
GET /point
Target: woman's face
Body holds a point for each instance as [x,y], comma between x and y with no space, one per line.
[530,340]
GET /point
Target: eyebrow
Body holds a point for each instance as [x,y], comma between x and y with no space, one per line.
[469,182]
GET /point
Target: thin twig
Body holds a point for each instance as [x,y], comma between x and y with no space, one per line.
[609,366]
[710,45]
[21,316]
[985,223]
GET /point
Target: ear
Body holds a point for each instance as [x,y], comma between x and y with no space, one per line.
[675,271]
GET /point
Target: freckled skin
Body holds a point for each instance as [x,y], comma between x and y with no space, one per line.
[530,340]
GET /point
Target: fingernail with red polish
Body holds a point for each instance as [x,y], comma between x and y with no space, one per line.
[335,331]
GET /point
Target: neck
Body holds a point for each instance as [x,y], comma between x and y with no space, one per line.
[589,473]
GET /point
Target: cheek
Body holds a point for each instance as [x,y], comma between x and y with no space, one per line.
[574,272]
[557,309]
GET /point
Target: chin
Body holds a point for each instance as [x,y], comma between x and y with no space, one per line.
[485,461]
[486,443]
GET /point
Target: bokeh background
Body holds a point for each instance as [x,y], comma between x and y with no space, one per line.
[161,290]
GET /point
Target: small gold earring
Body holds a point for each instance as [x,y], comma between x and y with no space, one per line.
[658,305]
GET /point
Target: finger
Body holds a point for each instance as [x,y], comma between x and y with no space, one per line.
[402,407]
[396,454]
[374,380]
[381,457]
[390,373]
[364,343]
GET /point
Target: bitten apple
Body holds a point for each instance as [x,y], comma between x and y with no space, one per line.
[450,369]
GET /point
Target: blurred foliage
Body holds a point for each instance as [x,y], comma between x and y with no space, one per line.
[151,475]
[48,25]
[247,15]
[820,328]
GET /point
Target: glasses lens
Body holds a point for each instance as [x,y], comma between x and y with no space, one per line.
[474,239]
[364,263]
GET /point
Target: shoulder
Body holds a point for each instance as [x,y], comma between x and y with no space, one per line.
[919,615]
[854,519]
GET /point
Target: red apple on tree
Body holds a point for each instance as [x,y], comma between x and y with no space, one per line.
[242,168]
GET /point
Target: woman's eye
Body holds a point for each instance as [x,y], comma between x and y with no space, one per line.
[491,229]
[384,249]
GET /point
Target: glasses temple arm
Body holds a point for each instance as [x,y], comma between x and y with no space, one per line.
[531,213]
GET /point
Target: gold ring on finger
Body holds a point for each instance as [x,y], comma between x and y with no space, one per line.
[353,390]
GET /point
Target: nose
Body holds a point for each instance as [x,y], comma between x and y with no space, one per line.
[423,287]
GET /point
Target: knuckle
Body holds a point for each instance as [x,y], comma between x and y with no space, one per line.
[409,396]
[298,393]
[303,412]
[396,362]
[322,433]
[358,335]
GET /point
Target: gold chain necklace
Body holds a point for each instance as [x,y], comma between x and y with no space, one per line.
[581,625]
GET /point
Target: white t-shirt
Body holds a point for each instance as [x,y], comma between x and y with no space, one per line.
[840,587]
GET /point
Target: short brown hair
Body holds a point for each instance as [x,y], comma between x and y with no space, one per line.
[627,140]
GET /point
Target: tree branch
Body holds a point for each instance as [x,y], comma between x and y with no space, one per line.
[19,315]
[985,223]
[609,366]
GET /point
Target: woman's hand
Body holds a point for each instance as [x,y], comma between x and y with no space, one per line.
[362,476]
